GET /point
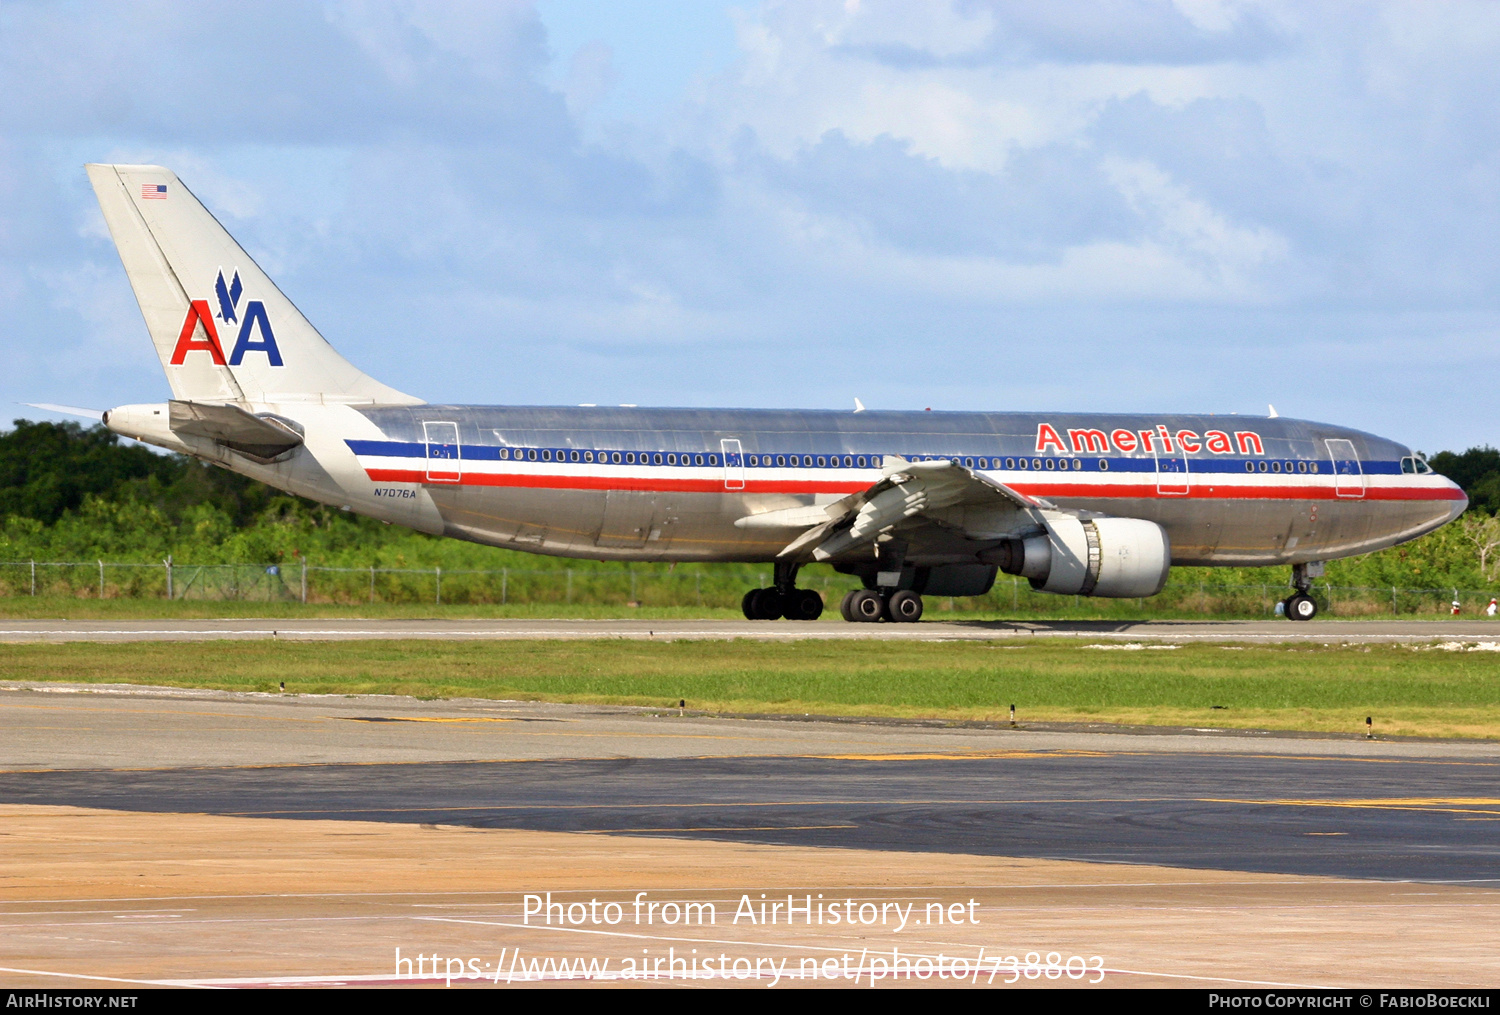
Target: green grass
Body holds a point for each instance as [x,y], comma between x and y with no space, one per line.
[1422,691]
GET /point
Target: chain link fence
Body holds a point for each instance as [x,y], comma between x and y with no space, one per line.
[720,586]
[653,586]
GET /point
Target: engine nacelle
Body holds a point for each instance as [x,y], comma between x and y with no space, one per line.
[1121,558]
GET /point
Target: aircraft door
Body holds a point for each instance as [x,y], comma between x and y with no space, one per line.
[443,462]
[1348,475]
[734,464]
[1171,471]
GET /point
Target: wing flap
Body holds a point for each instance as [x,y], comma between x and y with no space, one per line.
[906,490]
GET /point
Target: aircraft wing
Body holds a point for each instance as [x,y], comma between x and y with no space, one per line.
[914,495]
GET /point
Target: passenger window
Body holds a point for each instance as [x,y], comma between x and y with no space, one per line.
[1249,466]
[531,454]
[848,462]
[1010,463]
[1036,463]
[1263,466]
[1275,466]
[630,458]
[1023,463]
[1077,464]
[671,459]
[860,461]
[1104,465]
[713,459]
[614,457]
[1051,465]
[546,454]
[505,453]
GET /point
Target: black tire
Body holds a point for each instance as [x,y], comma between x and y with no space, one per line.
[866,606]
[844,610]
[904,607]
[805,605]
[1301,607]
[747,605]
[768,604]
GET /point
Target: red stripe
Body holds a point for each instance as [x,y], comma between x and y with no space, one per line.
[1075,491]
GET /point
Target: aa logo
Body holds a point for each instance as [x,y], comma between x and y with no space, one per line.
[200,333]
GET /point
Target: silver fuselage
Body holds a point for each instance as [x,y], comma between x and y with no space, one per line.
[670,484]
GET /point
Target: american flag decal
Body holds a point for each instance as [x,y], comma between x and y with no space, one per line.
[153,192]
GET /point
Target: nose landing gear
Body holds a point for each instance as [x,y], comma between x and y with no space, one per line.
[1300,605]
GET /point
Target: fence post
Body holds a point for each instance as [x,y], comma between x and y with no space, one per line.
[101,579]
[1393,600]
[372,584]
[504,584]
[304,580]
[168,562]
[33,577]
[437,573]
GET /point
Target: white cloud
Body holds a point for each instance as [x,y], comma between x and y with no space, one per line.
[983,202]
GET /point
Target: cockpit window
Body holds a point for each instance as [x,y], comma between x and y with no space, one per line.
[1415,465]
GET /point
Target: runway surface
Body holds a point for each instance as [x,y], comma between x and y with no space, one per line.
[1345,807]
[213,838]
[1329,631]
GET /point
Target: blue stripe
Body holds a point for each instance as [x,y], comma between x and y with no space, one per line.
[1196,466]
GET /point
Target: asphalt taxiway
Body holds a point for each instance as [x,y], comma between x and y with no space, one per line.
[217,838]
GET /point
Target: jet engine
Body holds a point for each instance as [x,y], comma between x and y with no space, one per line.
[1120,558]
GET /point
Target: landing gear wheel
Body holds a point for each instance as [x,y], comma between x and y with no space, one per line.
[865,606]
[804,604]
[1301,607]
[768,604]
[844,609]
[747,605]
[904,607]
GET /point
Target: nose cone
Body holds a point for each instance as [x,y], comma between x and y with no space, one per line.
[1460,503]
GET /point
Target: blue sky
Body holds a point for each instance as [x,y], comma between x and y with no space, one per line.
[1201,205]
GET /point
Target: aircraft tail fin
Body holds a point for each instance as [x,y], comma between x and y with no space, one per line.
[222,329]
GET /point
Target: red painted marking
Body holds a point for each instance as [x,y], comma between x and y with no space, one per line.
[198,312]
[1078,491]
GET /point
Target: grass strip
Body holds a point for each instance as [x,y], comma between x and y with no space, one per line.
[1410,690]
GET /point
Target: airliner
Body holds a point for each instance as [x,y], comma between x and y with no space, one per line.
[910,503]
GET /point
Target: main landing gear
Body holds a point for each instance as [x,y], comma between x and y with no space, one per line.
[1300,605]
[783,599]
[870,606]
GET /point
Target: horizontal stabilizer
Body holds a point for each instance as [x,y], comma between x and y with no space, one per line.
[67,410]
[257,436]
